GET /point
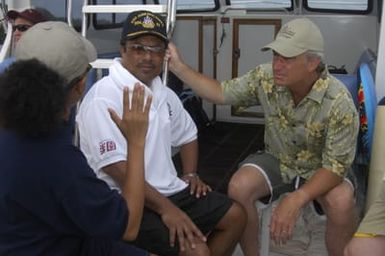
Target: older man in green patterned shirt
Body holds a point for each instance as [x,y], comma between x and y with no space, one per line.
[311,127]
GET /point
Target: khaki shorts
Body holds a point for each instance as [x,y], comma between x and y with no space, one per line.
[373,223]
[268,165]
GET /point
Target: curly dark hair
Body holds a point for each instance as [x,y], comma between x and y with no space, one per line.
[32,98]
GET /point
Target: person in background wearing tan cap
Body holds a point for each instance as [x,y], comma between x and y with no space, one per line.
[51,202]
[22,21]
[179,211]
[311,126]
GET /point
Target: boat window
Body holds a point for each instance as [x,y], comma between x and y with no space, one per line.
[195,5]
[110,20]
[58,9]
[352,6]
[260,4]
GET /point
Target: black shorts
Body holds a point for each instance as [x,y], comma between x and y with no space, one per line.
[205,212]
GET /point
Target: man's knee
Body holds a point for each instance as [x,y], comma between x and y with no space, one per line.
[248,183]
[348,250]
[201,249]
[354,248]
[339,199]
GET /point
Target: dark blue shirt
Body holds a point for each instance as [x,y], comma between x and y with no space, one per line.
[51,202]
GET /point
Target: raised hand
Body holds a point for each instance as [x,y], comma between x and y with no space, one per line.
[134,121]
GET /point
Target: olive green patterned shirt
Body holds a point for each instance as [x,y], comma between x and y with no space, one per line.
[321,131]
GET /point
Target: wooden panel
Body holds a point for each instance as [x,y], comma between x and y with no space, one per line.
[247,53]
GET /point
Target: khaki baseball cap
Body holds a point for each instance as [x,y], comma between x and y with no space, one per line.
[296,37]
[59,47]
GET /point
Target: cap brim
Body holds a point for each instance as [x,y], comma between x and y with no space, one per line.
[284,49]
[58,46]
[141,33]
[90,50]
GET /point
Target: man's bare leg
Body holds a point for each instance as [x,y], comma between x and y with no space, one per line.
[201,249]
[247,186]
[224,238]
[341,218]
[373,246]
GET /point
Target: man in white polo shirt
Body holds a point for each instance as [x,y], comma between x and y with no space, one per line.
[182,215]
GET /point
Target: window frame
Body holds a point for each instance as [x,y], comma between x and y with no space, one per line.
[228,3]
[342,11]
[216,8]
[113,24]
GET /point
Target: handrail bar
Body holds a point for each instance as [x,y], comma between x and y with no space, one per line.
[69,13]
[170,25]
[126,8]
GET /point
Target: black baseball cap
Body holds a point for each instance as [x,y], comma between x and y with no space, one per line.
[140,23]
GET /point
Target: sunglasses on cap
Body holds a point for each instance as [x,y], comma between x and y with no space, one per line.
[21,27]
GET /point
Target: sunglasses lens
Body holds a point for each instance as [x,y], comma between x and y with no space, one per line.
[21,28]
[141,49]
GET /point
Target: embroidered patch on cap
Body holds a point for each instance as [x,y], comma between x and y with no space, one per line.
[144,22]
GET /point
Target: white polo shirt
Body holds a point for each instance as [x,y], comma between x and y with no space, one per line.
[103,144]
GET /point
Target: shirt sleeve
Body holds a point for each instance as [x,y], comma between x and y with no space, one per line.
[243,91]
[100,138]
[340,146]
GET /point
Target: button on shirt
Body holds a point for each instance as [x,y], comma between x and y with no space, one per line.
[320,131]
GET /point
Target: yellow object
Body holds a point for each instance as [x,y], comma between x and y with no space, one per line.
[364,235]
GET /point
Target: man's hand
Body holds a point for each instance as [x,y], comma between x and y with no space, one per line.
[285,216]
[134,121]
[197,186]
[173,57]
[182,228]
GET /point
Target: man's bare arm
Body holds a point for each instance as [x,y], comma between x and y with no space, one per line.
[189,157]
[202,85]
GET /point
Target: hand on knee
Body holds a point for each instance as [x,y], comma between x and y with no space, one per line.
[201,249]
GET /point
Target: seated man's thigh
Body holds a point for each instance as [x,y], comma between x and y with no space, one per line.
[154,235]
[205,212]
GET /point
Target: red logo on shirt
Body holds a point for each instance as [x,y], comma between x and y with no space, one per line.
[106,146]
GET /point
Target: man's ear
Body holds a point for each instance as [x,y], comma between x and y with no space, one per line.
[122,49]
[81,86]
[313,64]
[77,90]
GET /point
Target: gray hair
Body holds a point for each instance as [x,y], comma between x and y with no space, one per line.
[317,55]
